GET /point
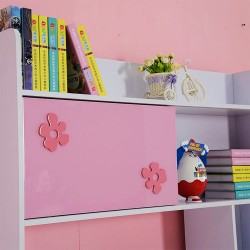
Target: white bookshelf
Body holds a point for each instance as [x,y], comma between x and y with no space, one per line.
[219,122]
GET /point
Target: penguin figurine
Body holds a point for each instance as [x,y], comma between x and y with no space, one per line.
[192,176]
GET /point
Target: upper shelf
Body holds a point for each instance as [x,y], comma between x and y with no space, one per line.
[226,94]
[202,109]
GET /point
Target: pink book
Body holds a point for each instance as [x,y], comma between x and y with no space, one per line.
[79,62]
[238,153]
[228,161]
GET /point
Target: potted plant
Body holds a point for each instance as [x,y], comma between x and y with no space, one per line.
[162,76]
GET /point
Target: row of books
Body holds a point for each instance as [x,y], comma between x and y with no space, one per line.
[228,173]
[55,57]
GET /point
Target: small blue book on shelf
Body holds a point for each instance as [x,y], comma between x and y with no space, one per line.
[53,55]
[10,17]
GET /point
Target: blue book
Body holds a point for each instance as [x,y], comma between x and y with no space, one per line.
[242,194]
[10,17]
[53,55]
[26,19]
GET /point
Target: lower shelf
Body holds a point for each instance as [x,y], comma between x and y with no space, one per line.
[107,214]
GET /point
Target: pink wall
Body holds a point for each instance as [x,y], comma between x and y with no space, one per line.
[210,33]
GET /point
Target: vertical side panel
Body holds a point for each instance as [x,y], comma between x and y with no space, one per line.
[238,227]
[210,228]
[241,87]
[242,131]
[11,159]
[245,225]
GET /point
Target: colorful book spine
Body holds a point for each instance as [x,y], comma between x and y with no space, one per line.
[77,50]
[26,47]
[243,194]
[235,153]
[228,161]
[241,177]
[62,56]
[53,55]
[91,60]
[44,58]
[227,186]
[228,177]
[228,169]
[10,17]
[241,186]
[35,54]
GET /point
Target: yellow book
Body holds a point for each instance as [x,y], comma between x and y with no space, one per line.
[44,58]
[91,60]
[241,177]
[35,54]
[241,169]
[62,56]
[229,169]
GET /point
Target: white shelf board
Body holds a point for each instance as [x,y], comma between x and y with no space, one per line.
[202,109]
[97,215]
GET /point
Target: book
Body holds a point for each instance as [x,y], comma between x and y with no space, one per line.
[238,153]
[228,169]
[53,54]
[77,57]
[228,161]
[44,57]
[36,85]
[91,60]
[10,17]
[228,177]
[243,194]
[62,56]
[228,186]
[26,21]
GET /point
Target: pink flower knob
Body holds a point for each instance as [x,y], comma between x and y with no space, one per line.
[155,177]
[53,133]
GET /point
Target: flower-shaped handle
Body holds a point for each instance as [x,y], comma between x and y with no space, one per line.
[155,176]
[53,133]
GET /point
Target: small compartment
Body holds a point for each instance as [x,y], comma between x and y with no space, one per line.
[100,167]
[210,228]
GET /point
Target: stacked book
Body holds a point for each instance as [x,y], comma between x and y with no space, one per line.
[228,174]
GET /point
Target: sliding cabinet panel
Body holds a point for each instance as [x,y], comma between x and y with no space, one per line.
[210,228]
[100,167]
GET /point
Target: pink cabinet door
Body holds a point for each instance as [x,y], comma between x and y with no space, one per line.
[58,236]
[100,167]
